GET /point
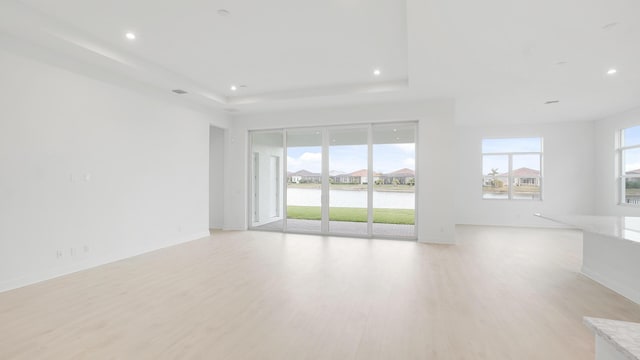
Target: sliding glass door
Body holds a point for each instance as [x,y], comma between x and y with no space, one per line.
[345,180]
[304,180]
[394,185]
[349,181]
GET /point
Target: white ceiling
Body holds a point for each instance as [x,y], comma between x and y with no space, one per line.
[497,58]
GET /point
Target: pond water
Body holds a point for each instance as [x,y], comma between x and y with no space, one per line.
[351,198]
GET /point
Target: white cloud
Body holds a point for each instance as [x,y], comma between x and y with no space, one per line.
[306,161]
[292,162]
[311,156]
[409,162]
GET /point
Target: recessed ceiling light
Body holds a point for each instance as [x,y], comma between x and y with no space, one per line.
[551,102]
[610,26]
[179,91]
[130,36]
[394,130]
[223,12]
[611,71]
[234,88]
[560,63]
[377,72]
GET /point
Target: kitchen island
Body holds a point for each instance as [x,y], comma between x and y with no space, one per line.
[610,250]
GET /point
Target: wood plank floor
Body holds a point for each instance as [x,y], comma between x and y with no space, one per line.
[502,293]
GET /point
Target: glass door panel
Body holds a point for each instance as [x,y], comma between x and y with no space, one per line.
[394,180]
[304,180]
[267,153]
[348,181]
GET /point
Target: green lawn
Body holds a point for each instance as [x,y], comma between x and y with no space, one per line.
[382,216]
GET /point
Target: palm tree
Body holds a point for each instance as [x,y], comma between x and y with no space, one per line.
[494,181]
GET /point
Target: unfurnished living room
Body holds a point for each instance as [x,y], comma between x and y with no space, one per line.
[338,179]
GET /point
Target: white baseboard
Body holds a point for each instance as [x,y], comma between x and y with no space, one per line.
[623,290]
[80,265]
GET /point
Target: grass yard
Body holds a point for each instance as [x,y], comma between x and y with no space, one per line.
[380,216]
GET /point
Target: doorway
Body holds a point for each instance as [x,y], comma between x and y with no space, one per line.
[355,180]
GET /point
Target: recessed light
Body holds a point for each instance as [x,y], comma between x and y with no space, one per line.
[377,72]
[394,130]
[234,88]
[560,63]
[611,71]
[130,36]
[551,102]
[179,91]
[610,26]
[223,12]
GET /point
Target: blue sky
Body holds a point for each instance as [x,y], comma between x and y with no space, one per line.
[349,158]
[631,136]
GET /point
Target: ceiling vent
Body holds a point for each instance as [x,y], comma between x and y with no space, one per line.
[179,91]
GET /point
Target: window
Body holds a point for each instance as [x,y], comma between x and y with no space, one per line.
[629,165]
[512,169]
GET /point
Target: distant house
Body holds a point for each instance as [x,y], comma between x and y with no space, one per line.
[304,177]
[523,176]
[403,176]
[356,177]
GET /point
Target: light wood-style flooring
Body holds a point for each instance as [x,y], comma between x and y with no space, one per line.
[502,293]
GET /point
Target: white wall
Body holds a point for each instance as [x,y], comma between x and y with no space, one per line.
[436,151]
[216,177]
[606,196]
[93,171]
[568,170]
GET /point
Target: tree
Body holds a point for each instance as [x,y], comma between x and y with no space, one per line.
[495,182]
